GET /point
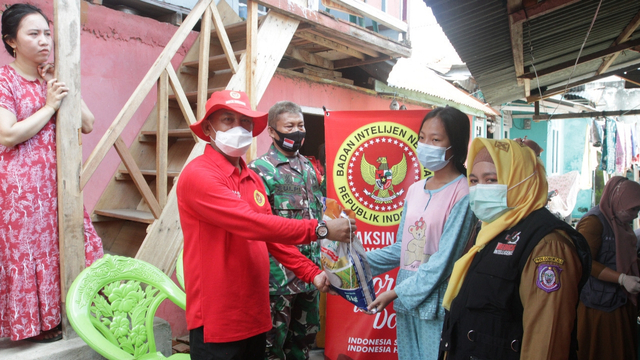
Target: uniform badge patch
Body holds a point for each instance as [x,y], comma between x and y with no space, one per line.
[508,247]
[258,197]
[548,278]
[551,259]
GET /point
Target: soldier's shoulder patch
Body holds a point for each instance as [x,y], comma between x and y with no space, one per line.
[550,259]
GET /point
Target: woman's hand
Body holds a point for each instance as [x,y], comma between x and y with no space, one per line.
[46,71]
[382,301]
[56,91]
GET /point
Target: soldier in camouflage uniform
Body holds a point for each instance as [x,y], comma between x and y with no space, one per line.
[293,190]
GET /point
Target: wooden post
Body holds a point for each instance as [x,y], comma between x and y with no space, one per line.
[203,66]
[162,139]
[66,20]
[252,62]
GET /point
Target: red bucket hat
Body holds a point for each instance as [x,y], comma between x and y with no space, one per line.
[237,101]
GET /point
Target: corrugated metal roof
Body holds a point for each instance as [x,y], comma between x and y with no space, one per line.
[410,74]
[479,31]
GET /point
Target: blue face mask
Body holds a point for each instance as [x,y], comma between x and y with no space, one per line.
[489,201]
[432,157]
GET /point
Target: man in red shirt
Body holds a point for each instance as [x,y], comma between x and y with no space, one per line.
[228,234]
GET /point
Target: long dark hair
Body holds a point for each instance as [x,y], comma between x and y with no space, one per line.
[11,19]
[457,126]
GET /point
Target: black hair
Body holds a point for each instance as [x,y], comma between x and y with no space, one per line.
[457,126]
[11,19]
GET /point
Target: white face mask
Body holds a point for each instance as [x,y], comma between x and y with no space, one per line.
[432,157]
[233,142]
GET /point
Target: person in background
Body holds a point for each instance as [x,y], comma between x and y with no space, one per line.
[514,294]
[293,191]
[608,302]
[433,231]
[229,232]
[29,250]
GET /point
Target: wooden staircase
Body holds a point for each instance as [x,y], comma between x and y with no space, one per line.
[137,213]
[122,215]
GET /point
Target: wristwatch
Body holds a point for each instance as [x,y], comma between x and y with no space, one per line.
[322,230]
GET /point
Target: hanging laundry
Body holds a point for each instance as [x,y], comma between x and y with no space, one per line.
[595,134]
[635,144]
[608,161]
[589,160]
[623,148]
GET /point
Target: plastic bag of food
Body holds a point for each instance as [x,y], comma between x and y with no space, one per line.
[346,264]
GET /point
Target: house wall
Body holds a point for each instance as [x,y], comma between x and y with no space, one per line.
[315,95]
[537,133]
[573,135]
[117,50]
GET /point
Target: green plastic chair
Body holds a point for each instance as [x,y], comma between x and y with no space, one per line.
[112,303]
[180,269]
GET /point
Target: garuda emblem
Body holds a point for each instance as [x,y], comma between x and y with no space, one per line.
[383,179]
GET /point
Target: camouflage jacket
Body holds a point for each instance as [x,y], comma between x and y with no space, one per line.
[293,190]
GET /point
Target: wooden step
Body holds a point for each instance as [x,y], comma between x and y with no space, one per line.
[216,62]
[150,135]
[212,73]
[126,214]
[192,96]
[236,31]
[123,175]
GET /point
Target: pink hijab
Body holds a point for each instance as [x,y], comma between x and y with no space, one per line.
[620,195]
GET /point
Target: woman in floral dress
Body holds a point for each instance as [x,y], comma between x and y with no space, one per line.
[29,249]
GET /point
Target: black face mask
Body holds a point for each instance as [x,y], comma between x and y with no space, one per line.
[290,141]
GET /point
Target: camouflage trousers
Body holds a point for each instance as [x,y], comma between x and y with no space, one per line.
[295,324]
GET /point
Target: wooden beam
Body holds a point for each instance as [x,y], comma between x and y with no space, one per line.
[164,238]
[203,63]
[181,97]
[140,93]
[338,29]
[330,44]
[541,8]
[251,62]
[66,16]
[346,63]
[560,89]
[515,31]
[291,64]
[588,114]
[622,38]
[309,58]
[162,139]
[586,58]
[137,177]
[224,39]
[372,13]
[349,43]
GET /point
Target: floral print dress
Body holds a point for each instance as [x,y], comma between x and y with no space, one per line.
[29,248]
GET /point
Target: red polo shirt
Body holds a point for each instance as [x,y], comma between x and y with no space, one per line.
[226,219]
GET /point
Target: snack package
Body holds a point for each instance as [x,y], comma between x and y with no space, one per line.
[346,264]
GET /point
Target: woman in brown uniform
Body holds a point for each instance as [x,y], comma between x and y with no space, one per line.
[608,302]
[514,294]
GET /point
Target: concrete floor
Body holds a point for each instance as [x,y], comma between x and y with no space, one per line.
[316,354]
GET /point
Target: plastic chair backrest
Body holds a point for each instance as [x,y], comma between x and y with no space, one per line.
[180,269]
[112,303]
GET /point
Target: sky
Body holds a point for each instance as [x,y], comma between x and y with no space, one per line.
[430,45]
